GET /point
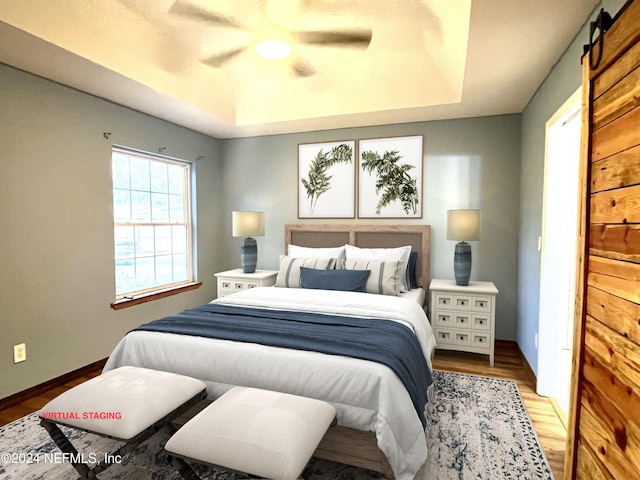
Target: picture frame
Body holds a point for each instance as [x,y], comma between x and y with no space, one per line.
[326,179]
[390,177]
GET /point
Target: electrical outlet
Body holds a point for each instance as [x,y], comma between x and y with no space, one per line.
[19,353]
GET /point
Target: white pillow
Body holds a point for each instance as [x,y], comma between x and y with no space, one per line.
[384,278]
[400,254]
[289,272]
[296,251]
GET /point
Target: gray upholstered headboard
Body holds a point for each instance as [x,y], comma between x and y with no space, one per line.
[367,236]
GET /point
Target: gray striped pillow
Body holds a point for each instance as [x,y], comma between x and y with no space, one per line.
[289,273]
[384,278]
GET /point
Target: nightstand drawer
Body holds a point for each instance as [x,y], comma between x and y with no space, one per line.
[237,286]
[462,302]
[444,319]
[481,322]
[481,304]
[461,320]
[444,300]
[225,287]
[444,336]
[461,338]
[480,340]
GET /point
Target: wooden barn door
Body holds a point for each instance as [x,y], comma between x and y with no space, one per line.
[604,423]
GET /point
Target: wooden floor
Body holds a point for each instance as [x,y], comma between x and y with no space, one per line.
[508,364]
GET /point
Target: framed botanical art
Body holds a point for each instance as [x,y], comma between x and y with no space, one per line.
[390,177]
[326,180]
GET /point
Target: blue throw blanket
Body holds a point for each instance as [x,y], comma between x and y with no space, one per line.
[383,341]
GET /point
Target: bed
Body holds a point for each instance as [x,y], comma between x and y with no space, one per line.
[379,425]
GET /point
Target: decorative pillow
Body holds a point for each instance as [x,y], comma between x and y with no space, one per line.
[384,278]
[412,279]
[345,280]
[295,251]
[400,254]
[289,272]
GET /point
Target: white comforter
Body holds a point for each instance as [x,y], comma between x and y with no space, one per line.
[367,396]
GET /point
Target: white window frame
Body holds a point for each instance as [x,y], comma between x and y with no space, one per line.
[163,289]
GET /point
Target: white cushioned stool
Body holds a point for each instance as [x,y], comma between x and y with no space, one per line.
[259,432]
[128,404]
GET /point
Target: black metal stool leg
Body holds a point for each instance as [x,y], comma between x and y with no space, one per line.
[65,446]
[185,471]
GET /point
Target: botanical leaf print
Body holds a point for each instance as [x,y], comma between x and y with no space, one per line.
[392,180]
[318,181]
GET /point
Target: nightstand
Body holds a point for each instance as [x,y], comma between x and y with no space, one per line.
[236,280]
[463,318]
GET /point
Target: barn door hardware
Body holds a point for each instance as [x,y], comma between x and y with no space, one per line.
[601,25]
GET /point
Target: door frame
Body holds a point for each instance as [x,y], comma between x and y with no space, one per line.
[548,344]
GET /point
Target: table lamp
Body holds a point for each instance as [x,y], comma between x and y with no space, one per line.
[463,225]
[248,225]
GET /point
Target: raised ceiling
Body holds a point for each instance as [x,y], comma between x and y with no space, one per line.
[427,60]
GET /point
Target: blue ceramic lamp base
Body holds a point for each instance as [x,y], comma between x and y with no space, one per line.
[249,254]
[462,263]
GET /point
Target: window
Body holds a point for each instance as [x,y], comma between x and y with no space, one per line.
[152,223]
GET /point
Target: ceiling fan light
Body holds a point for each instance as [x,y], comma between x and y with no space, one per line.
[272,49]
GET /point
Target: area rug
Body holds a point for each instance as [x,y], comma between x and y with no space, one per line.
[480,429]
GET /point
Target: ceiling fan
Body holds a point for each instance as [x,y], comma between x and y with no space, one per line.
[271,40]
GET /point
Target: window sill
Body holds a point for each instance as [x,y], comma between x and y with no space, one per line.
[149,297]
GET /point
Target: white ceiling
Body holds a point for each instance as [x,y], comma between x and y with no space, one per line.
[427,60]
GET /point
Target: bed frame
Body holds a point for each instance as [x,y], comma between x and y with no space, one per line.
[342,444]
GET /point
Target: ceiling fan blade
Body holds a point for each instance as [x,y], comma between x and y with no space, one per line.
[262,7]
[185,8]
[330,5]
[300,67]
[219,59]
[356,38]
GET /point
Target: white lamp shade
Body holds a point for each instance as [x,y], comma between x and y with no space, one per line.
[248,224]
[463,225]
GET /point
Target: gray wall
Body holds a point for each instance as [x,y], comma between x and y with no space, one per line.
[56,225]
[468,163]
[562,81]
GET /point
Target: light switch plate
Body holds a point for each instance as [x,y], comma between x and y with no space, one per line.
[19,353]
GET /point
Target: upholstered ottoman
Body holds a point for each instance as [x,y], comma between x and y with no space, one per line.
[128,404]
[259,432]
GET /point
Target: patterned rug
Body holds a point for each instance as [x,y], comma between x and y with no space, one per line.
[480,430]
